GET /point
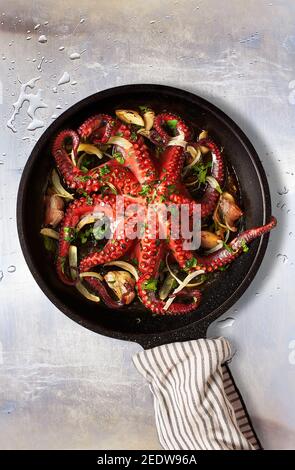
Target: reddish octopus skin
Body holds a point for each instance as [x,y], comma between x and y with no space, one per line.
[93,124]
[222,257]
[152,250]
[151,255]
[74,212]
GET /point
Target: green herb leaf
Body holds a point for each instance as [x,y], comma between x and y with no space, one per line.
[172,123]
[191,263]
[245,246]
[227,247]
[201,170]
[151,285]
[145,189]
[104,170]
[119,157]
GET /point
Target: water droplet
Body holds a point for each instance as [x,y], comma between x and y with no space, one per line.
[45,23]
[1,162]
[283,258]
[3,57]
[227,322]
[39,66]
[283,191]
[290,234]
[137,320]
[58,106]
[35,102]
[34,60]
[11,269]
[82,20]
[74,83]
[29,37]
[152,22]
[42,39]
[37,26]
[54,116]
[61,48]
[65,78]
[75,56]
[54,89]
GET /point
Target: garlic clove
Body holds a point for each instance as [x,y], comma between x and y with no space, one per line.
[130,117]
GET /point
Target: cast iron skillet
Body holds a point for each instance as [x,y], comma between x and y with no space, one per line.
[135,323]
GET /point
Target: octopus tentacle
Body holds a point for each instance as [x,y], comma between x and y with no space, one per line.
[97,128]
[151,255]
[75,211]
[223,256]
[210,197]
[139,160]
[159,126]
[114,249]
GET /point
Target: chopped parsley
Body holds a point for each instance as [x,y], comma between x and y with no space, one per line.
[151,285]
[191,263]
[119,157]
[201,170]
[69,234]
[172,124]
[227,247]
[104,170]
[244,246]
[120,134]
[145,189]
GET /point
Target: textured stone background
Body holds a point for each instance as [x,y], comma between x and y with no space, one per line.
[63,386]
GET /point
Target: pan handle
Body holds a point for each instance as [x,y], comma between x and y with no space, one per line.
[192,331]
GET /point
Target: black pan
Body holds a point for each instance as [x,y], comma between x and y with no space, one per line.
[135,323]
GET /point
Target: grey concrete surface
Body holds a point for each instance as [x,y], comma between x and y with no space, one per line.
[62,386]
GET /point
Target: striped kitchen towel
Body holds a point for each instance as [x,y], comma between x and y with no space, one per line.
[197,405]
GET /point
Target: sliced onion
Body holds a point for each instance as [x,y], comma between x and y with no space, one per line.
[127,266]
[227,235]
[120,141]
[178,140]
[129,116]
[49,232]
[91,274]
[89,219]
[148,118]
[183,284]
[90,149]
[215,248]
[85,292]
[73,261]
[192,183]
[73,158]
[60,190]
[196,154]
[176,278]
[214,183]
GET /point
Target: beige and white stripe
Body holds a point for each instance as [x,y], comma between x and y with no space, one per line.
[197,406]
